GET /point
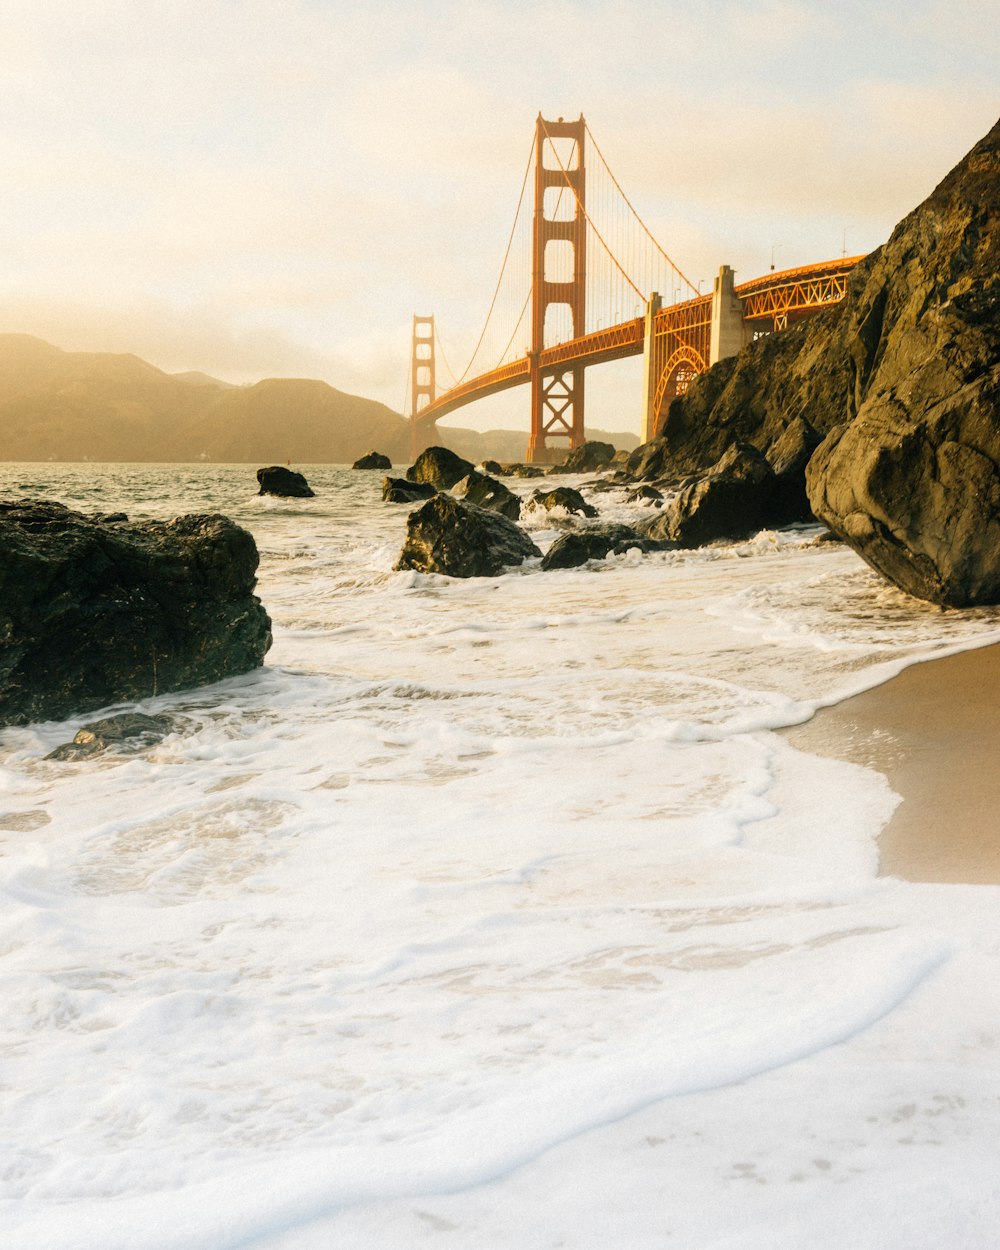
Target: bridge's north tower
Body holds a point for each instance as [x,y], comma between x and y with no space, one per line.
[423,384]
[559,246]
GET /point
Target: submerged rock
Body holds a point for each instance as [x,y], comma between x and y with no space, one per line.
[440,467]
[374,460]
[595,542]
[449,536]
[564,497]
[93,613]
[277,480]
[399,490]
[487,492]
[133,729]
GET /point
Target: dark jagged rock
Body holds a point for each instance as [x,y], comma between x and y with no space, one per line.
[399,490]
[492,467]
[595,542]
[374,460]
[449,536]
[93,613]
[130,731]
[514,469]
[440,467]
[487,492]
[645,494]
[562,497]
[587,458]
[788,458]
[728,503]
[901,379]
[277,480]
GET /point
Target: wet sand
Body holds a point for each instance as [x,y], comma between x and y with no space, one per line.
[934,731]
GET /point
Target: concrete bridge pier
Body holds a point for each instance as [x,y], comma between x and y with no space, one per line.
[728,330]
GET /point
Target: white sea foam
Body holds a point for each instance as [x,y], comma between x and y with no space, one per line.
[474,892]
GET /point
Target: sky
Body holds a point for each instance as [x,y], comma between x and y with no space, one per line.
[258,188]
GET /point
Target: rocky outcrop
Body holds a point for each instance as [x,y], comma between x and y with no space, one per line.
[564,497]
[399,490]
[449,536]
[645,495]
[587,458]
[516,469]
[277,480]
[901,380]
[374,460]
[95,612]
[487,492]
[594,543]
[439,467]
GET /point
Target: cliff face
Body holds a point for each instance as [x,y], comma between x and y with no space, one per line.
[903,380]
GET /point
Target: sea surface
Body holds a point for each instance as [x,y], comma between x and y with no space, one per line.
[491,913]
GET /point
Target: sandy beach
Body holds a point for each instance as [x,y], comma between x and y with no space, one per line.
[934,732]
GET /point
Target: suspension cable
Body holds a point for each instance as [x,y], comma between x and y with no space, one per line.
[444,358]
[649,233]
[496,291]
[580,206]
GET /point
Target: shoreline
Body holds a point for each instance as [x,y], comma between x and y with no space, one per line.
[934,731]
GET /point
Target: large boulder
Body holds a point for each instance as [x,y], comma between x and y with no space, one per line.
[374,460]
[595,542]
[94,612]
[277,480]
[440,467]
[729,502]
[901,380]
[912,482]
[399,490]
[449,536]
[487,492]
[562,497]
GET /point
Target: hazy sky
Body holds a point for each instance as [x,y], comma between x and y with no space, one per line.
[272,187]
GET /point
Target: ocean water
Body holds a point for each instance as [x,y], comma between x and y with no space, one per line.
[491,913]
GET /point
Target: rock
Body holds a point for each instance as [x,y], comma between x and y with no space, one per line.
[93,613]
[133,729]
[440,467]
[492,467]
[788,457]
[901,379]
[587,458]
[911,480]
[564,497]
[487,492]
[399,490]
[645,494]
[277,480]
[514,469]
[374,460]
[728,503]
[449,536]
[595,542]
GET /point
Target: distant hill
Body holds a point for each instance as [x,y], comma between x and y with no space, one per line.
[57,405]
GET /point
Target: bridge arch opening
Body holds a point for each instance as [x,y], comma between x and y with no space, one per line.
[682,367]
[558,260]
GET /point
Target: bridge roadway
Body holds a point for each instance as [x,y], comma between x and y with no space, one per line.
[677,338]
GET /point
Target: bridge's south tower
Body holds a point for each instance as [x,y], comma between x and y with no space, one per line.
[558,277]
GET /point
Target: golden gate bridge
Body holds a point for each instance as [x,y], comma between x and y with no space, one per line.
[583,257]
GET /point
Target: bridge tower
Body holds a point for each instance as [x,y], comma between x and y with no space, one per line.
[423,389]
[557,394]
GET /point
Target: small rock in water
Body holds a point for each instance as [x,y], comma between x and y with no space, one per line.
[399,490]
[440,467]
[374,460]
[586,458]
[133,728]
[564,497]
[461,540]
[277,480]
[594,543]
